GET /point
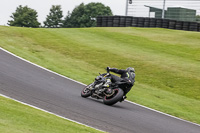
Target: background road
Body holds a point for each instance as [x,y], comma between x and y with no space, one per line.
[30,84]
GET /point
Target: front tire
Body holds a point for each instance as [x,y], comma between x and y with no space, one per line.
[117,96]
[86,92]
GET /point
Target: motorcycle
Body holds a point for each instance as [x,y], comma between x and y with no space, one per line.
[103,88]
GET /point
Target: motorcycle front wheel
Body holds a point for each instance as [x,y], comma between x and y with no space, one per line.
[117,96]
[86,92]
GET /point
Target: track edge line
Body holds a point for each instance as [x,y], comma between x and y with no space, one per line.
[85,85]
[162,113]
[32,106]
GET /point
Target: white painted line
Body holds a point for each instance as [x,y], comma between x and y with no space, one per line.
[162,113]
[40,66]
[50,112]
[85,85]
[38,107]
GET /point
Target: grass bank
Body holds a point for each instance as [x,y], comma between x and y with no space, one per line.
[166,61]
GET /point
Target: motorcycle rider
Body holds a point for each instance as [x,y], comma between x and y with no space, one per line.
[127,75]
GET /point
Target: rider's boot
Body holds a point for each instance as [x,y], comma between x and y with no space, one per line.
[123,98]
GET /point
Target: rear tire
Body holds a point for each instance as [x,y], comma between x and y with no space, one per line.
[117,96]
[86,92]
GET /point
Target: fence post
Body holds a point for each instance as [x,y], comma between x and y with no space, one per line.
[126,13]
[163,11]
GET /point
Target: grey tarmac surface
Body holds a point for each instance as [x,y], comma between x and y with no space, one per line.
[30,84]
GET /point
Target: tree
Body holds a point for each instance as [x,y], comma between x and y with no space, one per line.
[67,21]
[85,15]
[24,17]
[54,19]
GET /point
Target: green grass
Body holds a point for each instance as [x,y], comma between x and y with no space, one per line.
[167,62]
[18,118]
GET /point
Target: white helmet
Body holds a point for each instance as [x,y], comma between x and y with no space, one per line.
[130,69]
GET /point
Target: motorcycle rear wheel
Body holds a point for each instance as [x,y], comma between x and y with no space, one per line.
[117,96]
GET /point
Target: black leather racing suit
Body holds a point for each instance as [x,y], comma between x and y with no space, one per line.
[126,76]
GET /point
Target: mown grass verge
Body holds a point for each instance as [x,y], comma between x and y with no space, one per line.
[166,61]
[18,118]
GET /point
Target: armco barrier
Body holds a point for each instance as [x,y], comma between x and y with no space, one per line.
[172,24]
[104,21]
[165,23]
[199,27]
[128,21]
[110,21]
[152,22]
[99,21]
[146,22]
[116,21]
[141,22]
[193,26]
[186,25]
[179,25]
[159,23]
[122,21]
[135,22]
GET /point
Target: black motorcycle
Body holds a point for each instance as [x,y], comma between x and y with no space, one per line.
[103,88]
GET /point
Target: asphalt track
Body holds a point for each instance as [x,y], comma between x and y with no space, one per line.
[32,85]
